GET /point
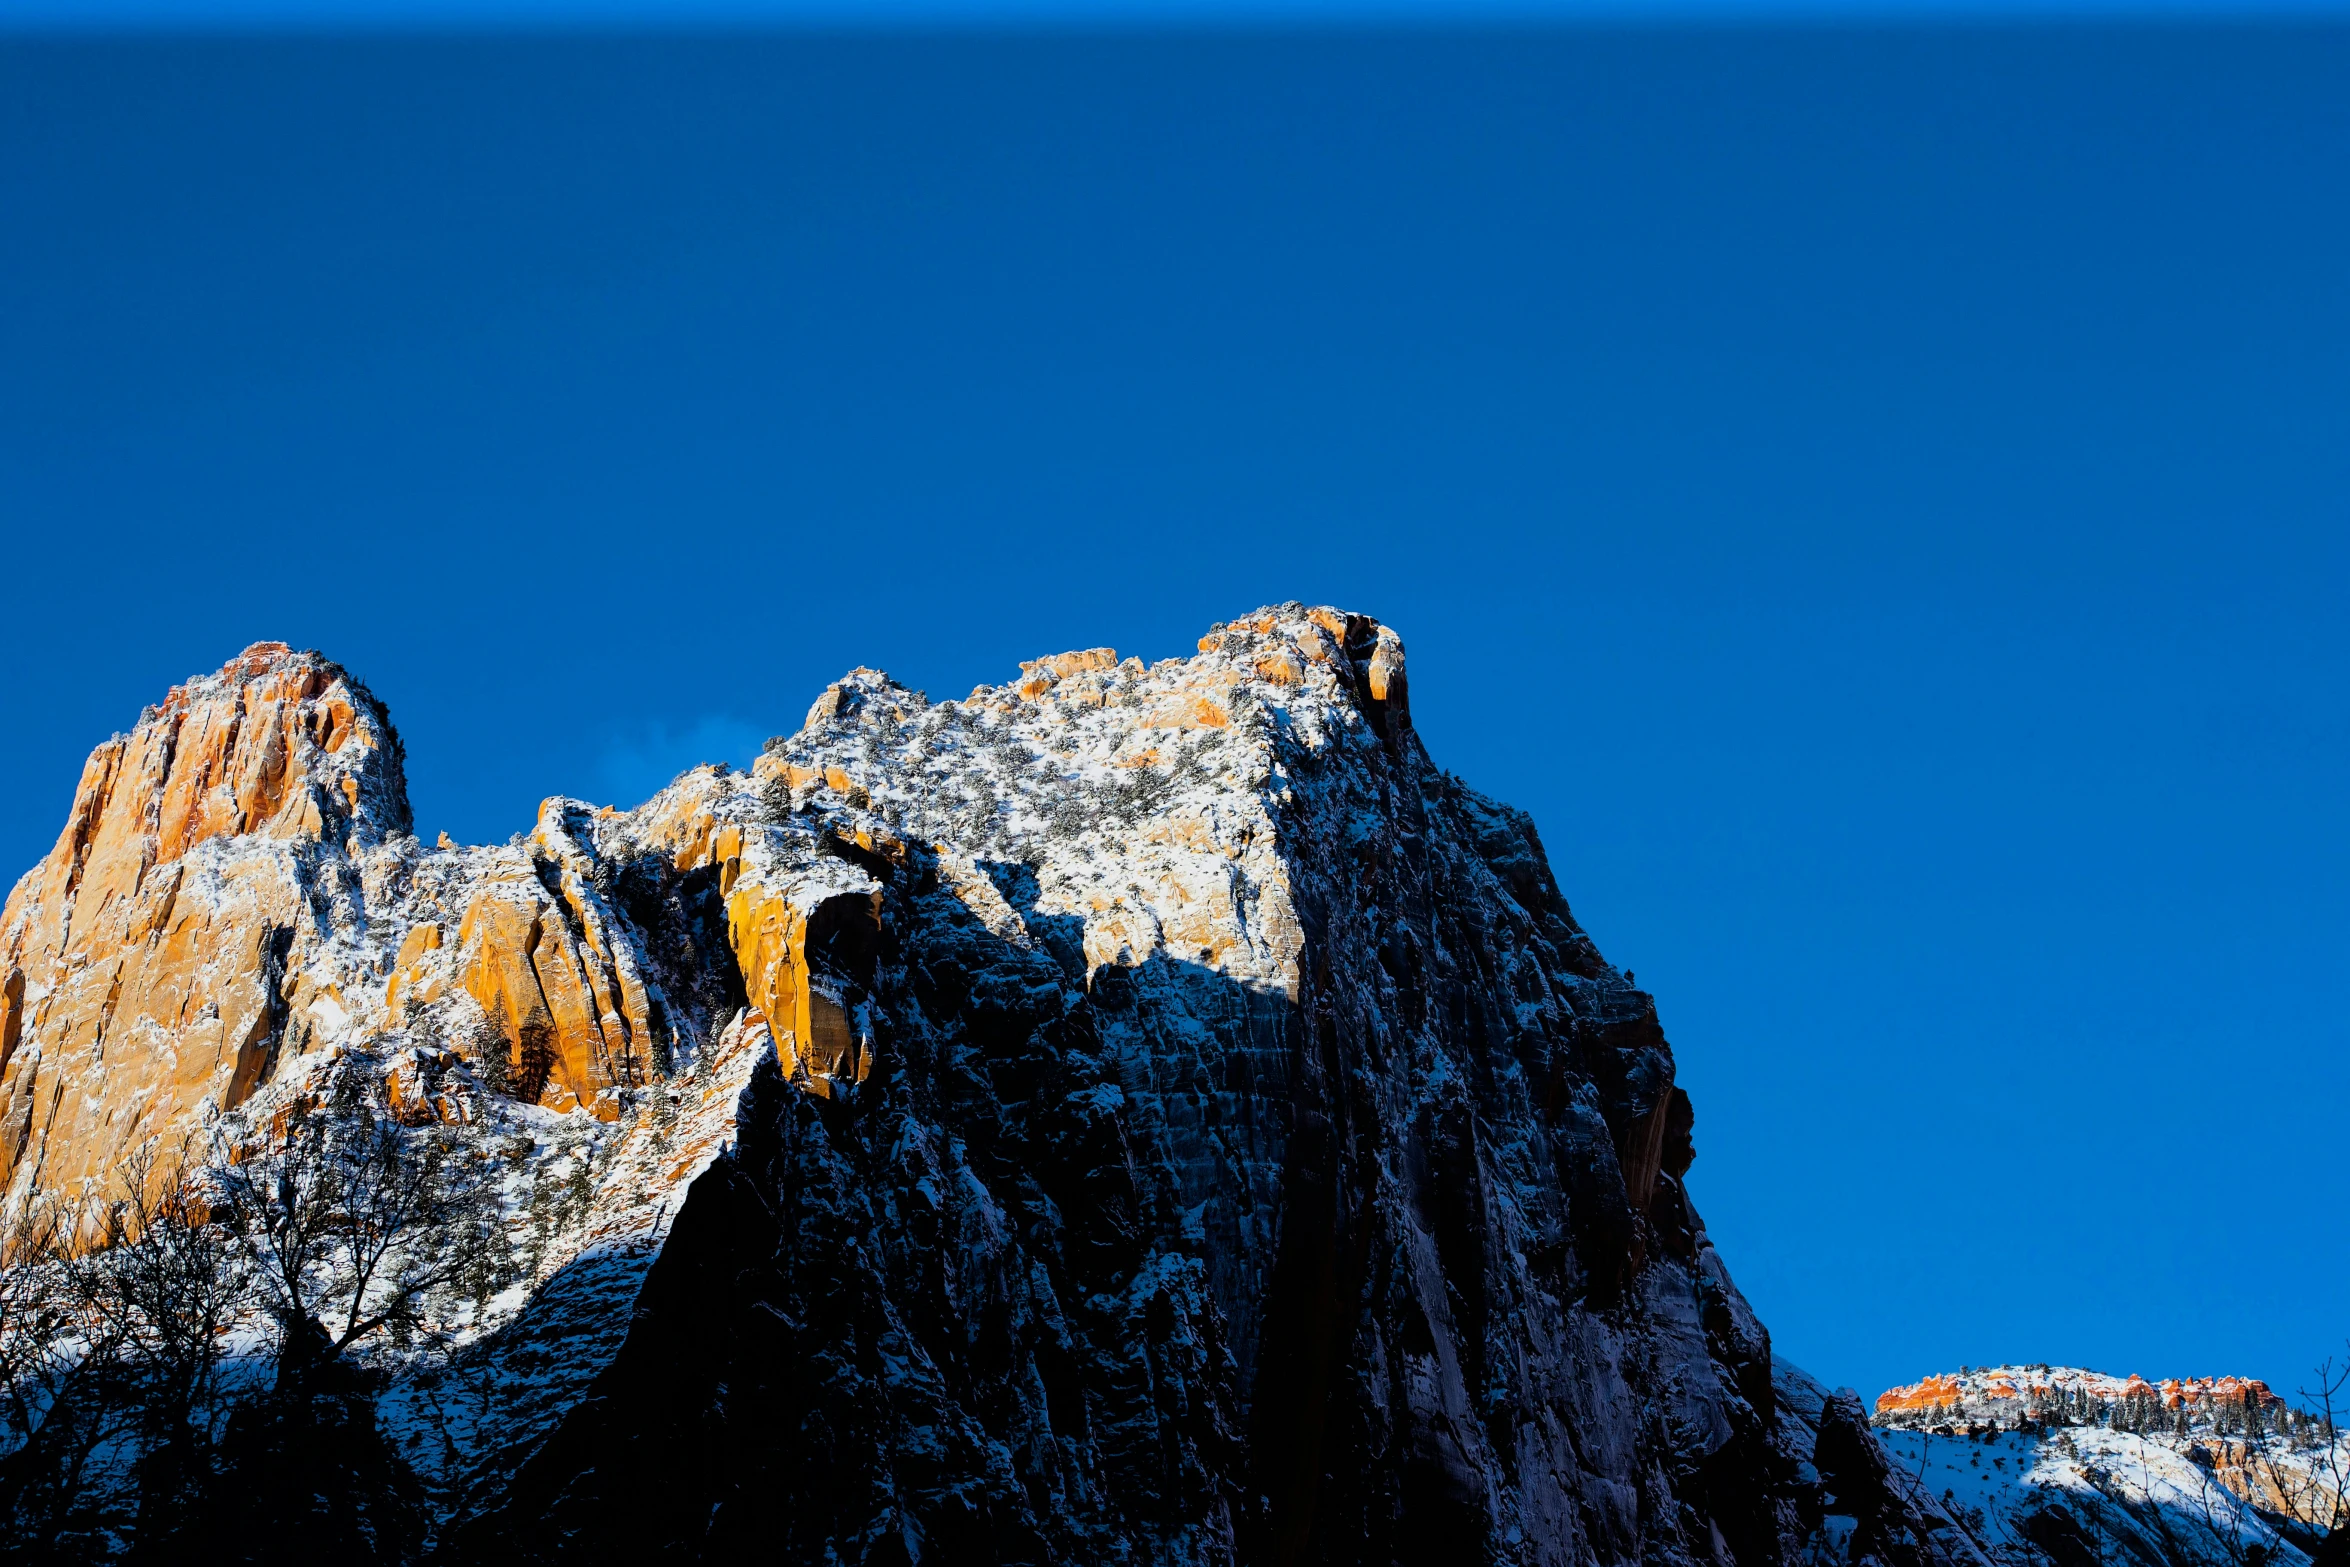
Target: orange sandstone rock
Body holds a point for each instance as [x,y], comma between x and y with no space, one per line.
[1067,664]
[1040,675]
[548,968]
[1934,1392]
[411,981]
[799,957]
[1280,668]
[1951,1391]
[419,1089]
[143,963]
[1386,677]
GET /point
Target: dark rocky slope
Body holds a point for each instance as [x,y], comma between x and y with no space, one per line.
[1184,1126]
[1136,1260]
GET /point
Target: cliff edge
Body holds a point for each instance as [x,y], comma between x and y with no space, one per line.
[1130,1114]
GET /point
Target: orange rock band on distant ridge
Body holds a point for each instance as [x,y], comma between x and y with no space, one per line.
[1948,1391]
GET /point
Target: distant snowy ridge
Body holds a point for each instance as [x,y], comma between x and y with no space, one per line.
[2057,1466]
[2069,1395]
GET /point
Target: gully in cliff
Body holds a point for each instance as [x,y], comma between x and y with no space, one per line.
[1136,1113]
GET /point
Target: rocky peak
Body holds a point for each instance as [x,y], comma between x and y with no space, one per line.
[1136,1112]
[279,743]
[142,961]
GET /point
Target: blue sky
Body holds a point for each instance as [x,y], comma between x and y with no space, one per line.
[573,16]
[1876,494]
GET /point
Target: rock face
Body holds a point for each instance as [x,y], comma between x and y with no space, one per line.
[143,964]
[1129,1115]
[2041,1394]
[2043,1463]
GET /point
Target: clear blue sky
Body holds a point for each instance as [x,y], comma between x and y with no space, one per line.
[1877,495]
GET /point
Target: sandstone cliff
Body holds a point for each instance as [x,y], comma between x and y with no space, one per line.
[1142,1114]
[2055,1464]
[2056,1394]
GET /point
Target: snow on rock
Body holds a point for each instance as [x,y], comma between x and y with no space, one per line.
[2020,1392]
[144,981]
[2056,1464]
[1134,1113]
[2085,1496]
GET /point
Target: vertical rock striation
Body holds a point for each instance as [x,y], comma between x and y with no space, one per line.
[145,961]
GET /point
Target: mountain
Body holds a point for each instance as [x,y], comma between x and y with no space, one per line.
[2054,1466]
[1131,1114]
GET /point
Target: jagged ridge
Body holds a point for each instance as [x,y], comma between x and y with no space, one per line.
[1131,1114]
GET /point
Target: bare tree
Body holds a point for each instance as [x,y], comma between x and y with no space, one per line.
[2264,1482]
[159,1286]
[116,1417]
[2307,1481]
[36,1321]
[166,1279]
[2231,1525]
[63,1393]
[348,1229]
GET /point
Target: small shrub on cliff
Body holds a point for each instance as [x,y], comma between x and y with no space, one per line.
[489,1254]
[1069,816]
[579,1187]
[488,1048]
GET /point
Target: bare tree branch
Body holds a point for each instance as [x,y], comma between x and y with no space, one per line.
[349,1227]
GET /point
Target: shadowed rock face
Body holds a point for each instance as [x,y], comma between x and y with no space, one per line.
[1145,1114]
